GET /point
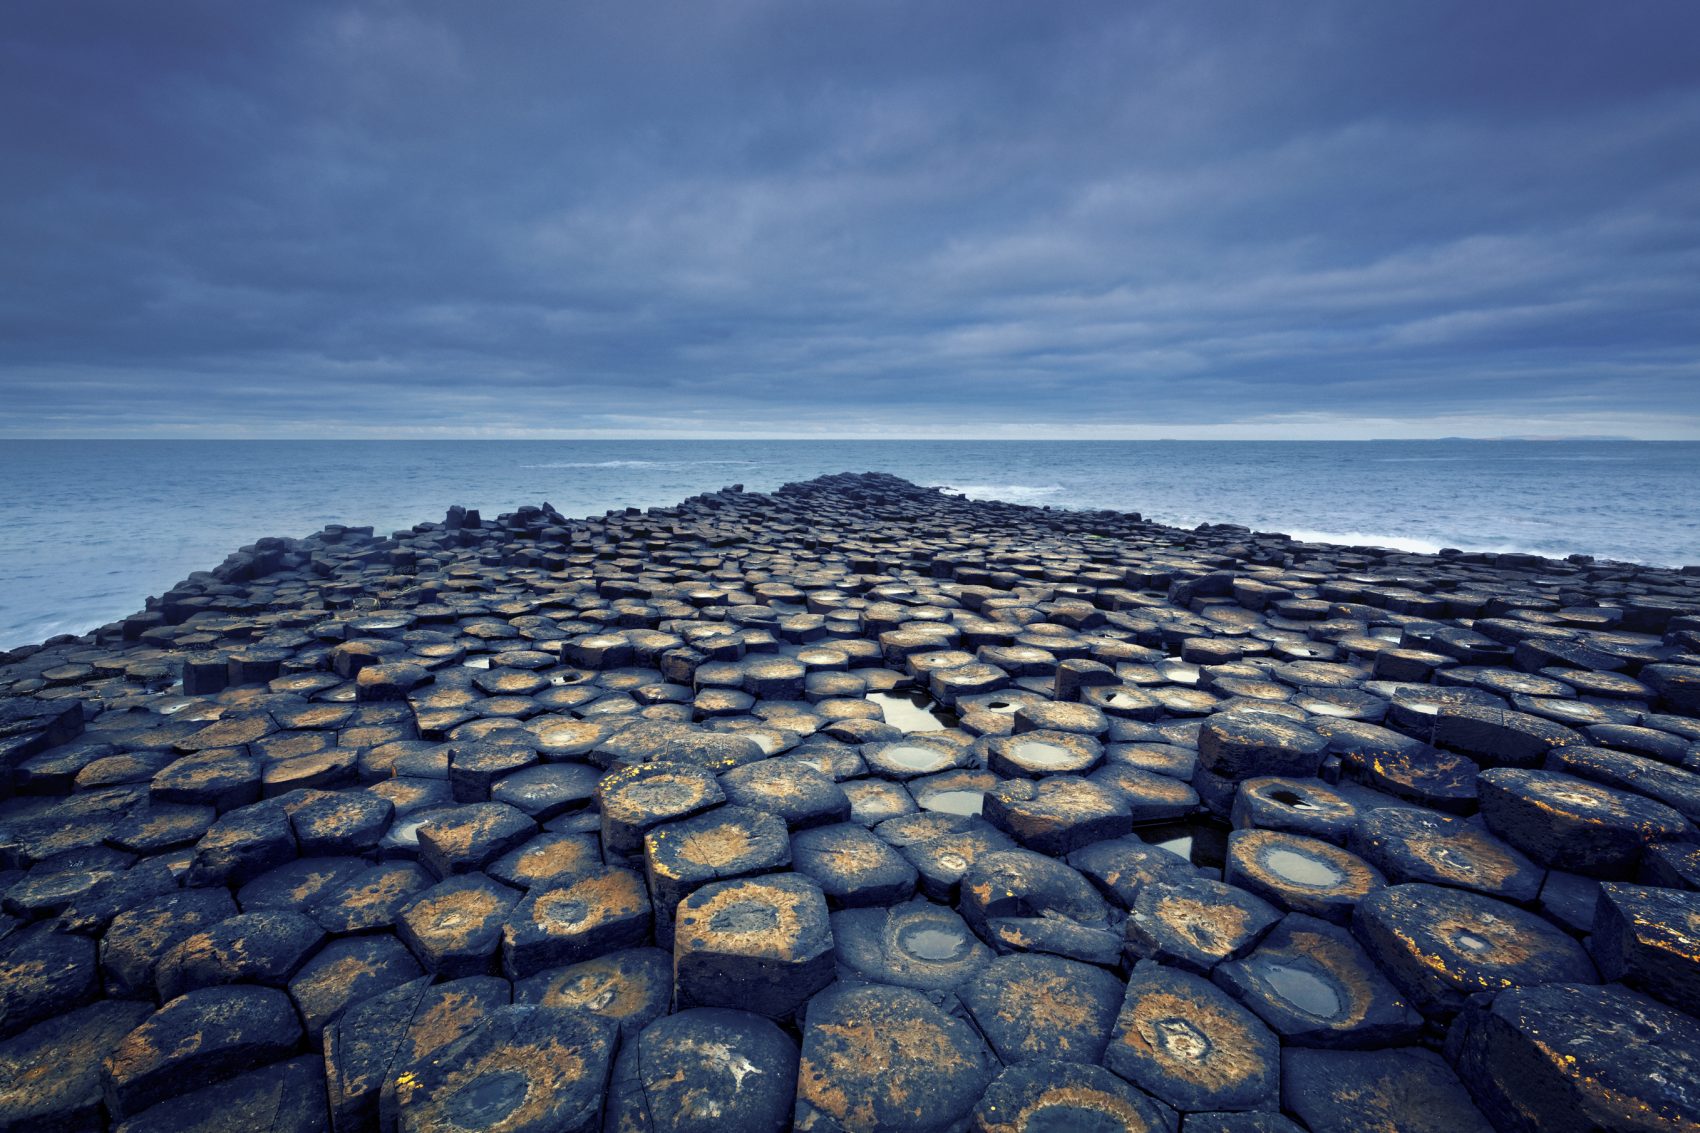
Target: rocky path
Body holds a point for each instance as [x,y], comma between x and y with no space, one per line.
[855,807]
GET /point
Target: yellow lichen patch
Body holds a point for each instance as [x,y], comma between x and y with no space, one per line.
[1208,927]
[752,919]
[1191,1038]
[1050,1006]
[716,847]
[554,858]
[451,1015]
[605,989]
[294,746]
[1073,1099]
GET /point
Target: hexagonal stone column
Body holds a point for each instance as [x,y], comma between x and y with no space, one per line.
[1361,1091]
[1186,1043]
[197,1039]
[917,944]
[601,911]
[1414,845]
[1650,939]
[455,927]
[631,987]
[1572,824]
[727,842]
[1043,1007]
[852,866]
[761,944]
[1566,1056]
[1040,1096]
[1315,986]
[1442,945]
[1058,814]
[636,798]
[705,1069]
[886,1060]
[522,1069]
[1304,875]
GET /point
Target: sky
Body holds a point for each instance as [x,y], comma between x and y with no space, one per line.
[780,218]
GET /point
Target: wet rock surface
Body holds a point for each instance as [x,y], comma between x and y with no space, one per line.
[857,806]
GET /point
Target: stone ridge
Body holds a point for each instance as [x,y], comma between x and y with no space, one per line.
[856,806]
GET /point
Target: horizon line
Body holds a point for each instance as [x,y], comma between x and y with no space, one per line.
[881,437]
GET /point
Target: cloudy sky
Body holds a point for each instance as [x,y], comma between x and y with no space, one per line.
[785,218]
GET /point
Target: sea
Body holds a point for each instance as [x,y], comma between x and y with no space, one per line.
[90,529]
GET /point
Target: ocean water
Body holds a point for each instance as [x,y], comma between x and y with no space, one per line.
[89,529]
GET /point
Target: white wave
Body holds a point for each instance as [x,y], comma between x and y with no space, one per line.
[1405,543]
[1009,493]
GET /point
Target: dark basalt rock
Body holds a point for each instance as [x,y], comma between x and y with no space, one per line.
[885,1060]
[725,843]
[1572,1057]
[629,987]
[197,1040]
[298,885]
[548,861]
[455,927]
[524,1068]
[137,938]
[763,944]
[1043,1007]
[917,944]
[1186,1043]
[286,1097]
[793,791]
[1304,875]
[50,1074]
[1402,766]
[1441,946]
[1650,939]
[348,971]
[1296,806]
[371,899]
[704,1069]
[1571,824]
[1314,986]
[634,800]
[579,920]
[1195,923]
[243,844]
[1364,1091]
[1058,814]
[1120,867]
[852,866]
[43,973]
[467,838]
[376,1041]
[264,947]
[1046,1095]
[971,759]
[1415,845]
[1243,746]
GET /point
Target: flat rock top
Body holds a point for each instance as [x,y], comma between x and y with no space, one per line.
[813,809]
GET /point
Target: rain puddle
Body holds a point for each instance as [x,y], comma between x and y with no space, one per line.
[917,757]
[1302,869]
[1200,841]
[1042,756]
[1305,990]
[912,711]
[954,802]
[934,945]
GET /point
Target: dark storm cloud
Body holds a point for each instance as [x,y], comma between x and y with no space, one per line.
[1198,219]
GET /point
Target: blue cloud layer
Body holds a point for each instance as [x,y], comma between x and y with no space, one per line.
[1202,219]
